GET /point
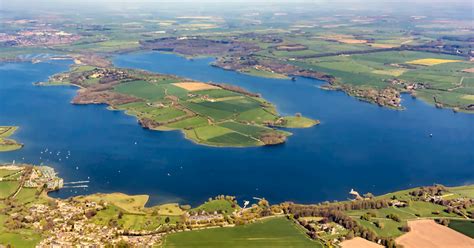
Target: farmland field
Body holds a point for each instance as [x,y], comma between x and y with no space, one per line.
[466,191]
[426,233]
[223,205]
[463,226]
[131,204]
[7,188]
[430,61]
[274,232]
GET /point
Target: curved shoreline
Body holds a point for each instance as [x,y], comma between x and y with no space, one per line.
[6,144]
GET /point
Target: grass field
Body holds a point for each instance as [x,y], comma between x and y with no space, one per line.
[465,227]
[142,89]
[223,137]
[7,188]
[129,203]
[466,191]
[6,173]
[189,123]
[133,221]
[168,209]
[5,143]
[274,232]
[27,195]
[224,206]
[299,122]
[265,74]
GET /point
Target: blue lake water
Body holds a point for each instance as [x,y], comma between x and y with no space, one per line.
[358,145]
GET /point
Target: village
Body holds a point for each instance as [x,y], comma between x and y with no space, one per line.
[41,36]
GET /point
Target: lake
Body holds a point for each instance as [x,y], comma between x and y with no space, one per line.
[358,145]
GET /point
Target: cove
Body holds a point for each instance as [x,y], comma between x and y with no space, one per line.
[358,145]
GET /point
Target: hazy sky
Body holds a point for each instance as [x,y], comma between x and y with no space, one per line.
[415,5]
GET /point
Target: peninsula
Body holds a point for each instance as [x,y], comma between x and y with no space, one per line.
[5,143]
[207,113]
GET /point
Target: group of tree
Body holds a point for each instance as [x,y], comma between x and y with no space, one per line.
[435,190]
[334,212]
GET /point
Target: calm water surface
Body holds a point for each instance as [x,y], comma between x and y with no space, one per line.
[358,145]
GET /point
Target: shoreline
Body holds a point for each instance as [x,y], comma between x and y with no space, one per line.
[97,211]
[7,144]
[371,95]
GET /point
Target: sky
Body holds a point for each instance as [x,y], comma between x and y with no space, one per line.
[32,5]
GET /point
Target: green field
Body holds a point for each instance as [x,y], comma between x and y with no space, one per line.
[223,206]
[132,221]
[466,191]
[5,143]
[142,89]
[463,226]
[266,74]
[7,173]
[274,232]
[7,188]
[133,204]
[299,122]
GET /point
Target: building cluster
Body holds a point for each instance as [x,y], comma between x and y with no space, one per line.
[43,176]
[204,218]
[67,224]
[45,36]
[410,86]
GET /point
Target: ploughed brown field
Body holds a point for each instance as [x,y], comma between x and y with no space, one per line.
[359,242]
[429,234]
[470,70]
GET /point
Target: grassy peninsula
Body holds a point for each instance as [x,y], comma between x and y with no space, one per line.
[5,143]
[207,113]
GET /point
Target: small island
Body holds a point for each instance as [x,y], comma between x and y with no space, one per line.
[6,144]
[210,114]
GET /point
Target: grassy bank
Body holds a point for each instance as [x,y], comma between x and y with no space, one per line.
[5,143]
